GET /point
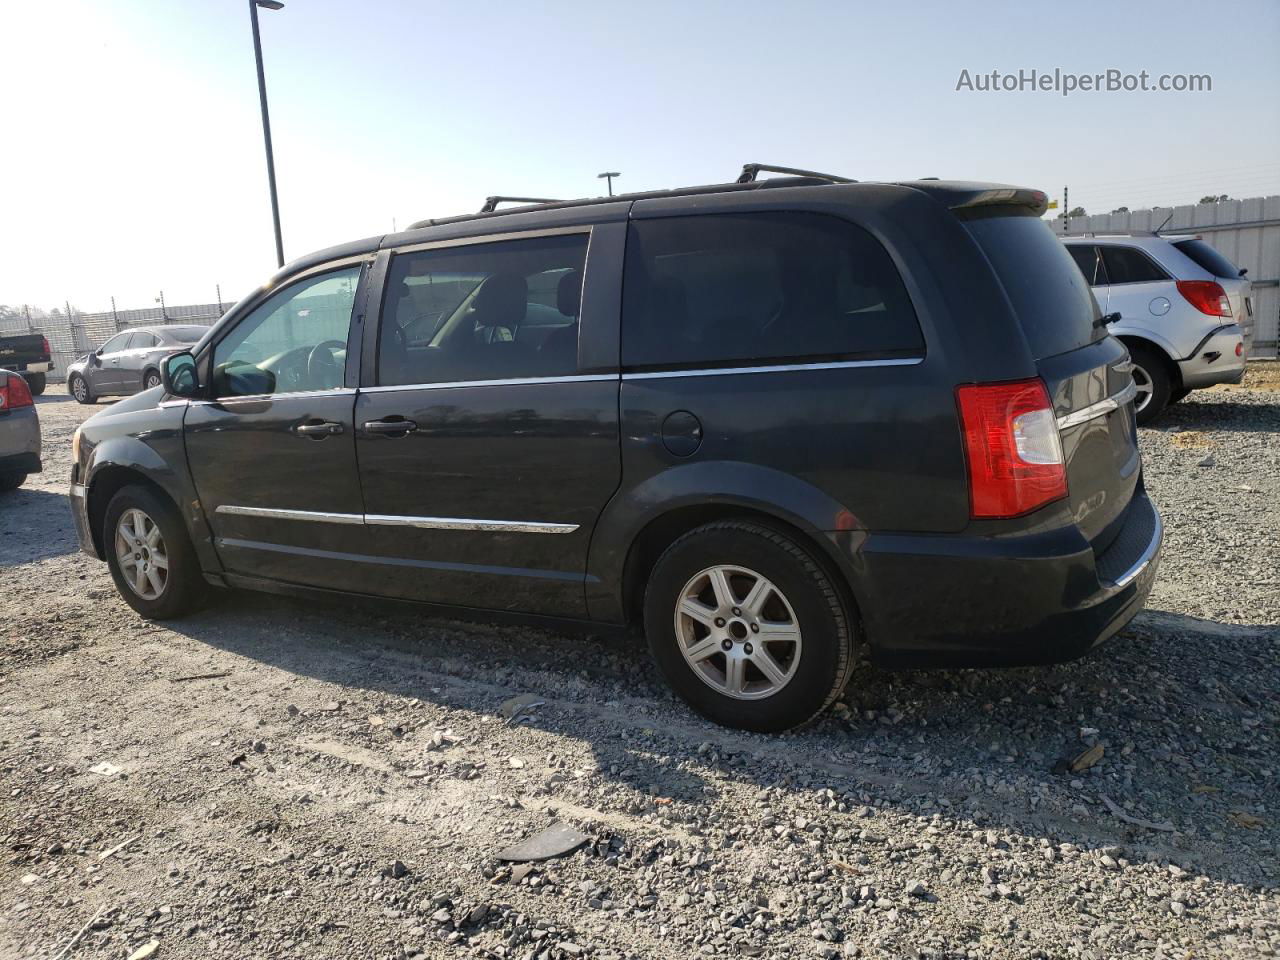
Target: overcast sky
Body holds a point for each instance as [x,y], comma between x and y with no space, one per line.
[134,161]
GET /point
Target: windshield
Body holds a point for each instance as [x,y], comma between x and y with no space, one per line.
[1209,258]
[1054,304]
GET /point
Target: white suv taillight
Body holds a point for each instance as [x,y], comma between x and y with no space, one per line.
[1012,446]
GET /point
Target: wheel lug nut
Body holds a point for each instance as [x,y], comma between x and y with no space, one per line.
[747,649]
[755,628]
[719,621]
[726,644]
[737,612]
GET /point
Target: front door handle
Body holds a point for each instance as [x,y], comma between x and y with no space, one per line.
[390,427]
[318,429]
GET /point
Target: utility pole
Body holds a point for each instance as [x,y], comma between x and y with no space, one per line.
[114,317]
[1066,210]
[608,175]
[266,120]
[218,287]
[164,313]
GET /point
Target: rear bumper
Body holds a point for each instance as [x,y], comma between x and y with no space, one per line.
[37,366]
[20,463]
[1215,360]
[1008,601]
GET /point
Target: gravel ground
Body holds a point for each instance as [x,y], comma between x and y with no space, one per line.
[341,788]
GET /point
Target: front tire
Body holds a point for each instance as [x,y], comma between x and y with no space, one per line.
[1151,377]
[747,627]
[78,387]
[150,555]
[36,382]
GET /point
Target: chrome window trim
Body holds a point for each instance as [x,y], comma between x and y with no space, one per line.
[300,395]
[481,238]
[274,513]
[457,523]
[1101,408]
[1143,561]
[512,382]
[774,368]
[394,520]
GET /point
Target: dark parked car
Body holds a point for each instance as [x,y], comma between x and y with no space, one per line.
[780,424]
[29,355]
[129,361]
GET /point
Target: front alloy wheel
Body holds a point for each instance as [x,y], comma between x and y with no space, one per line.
[737,632]
[149,551]
[141,551]
[152,381]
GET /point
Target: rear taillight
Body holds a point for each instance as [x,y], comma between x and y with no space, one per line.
[14,393]
[1206,296]
[47,351]
[1012,446]
[1239,349]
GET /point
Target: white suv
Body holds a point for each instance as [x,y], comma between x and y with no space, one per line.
[1185,311]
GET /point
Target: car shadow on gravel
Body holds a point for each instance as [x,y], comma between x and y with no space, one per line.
[1221,415]
[26,535]
[1176,702]
[48,398]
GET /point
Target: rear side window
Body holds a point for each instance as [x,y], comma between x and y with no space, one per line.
[142,340]
[720,290]
[1054,305]
[1208,258]
[1127,265]
[1089,262]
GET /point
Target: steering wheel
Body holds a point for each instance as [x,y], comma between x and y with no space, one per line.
[317,367]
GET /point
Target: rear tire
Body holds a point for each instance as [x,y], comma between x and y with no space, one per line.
[78,387]
[747,627]
[1151,377]
[151,379]
[11,481]
[1177,396]
[150,555]
[36,382]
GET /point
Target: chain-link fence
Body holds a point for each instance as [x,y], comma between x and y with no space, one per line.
[73,335]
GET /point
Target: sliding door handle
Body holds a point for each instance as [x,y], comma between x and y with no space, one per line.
[390,427]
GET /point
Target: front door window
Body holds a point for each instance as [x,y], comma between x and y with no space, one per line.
[294,342]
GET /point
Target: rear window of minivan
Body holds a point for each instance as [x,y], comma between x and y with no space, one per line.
[757,288]
[1054,305]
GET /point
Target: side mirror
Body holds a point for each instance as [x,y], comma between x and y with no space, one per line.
[178,374]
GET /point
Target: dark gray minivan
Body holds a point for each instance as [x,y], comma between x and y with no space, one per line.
[779,424]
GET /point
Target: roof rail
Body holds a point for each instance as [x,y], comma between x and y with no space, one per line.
[491,203]
[751,171]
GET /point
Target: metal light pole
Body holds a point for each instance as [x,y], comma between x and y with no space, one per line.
[608,175]
[266,122]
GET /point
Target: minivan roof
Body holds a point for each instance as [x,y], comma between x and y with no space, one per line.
[962,196]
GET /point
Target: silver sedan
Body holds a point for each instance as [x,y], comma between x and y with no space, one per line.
[129,362]
[19,432]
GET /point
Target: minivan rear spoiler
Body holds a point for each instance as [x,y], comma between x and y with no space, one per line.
[977,199]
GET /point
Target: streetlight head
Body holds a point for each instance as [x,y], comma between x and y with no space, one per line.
[607,173]
[270,4]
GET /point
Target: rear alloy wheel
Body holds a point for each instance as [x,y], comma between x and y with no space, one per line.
[1151,381]
[78,387]
[151,380]
[747,627]
[150,555]
[737,632]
